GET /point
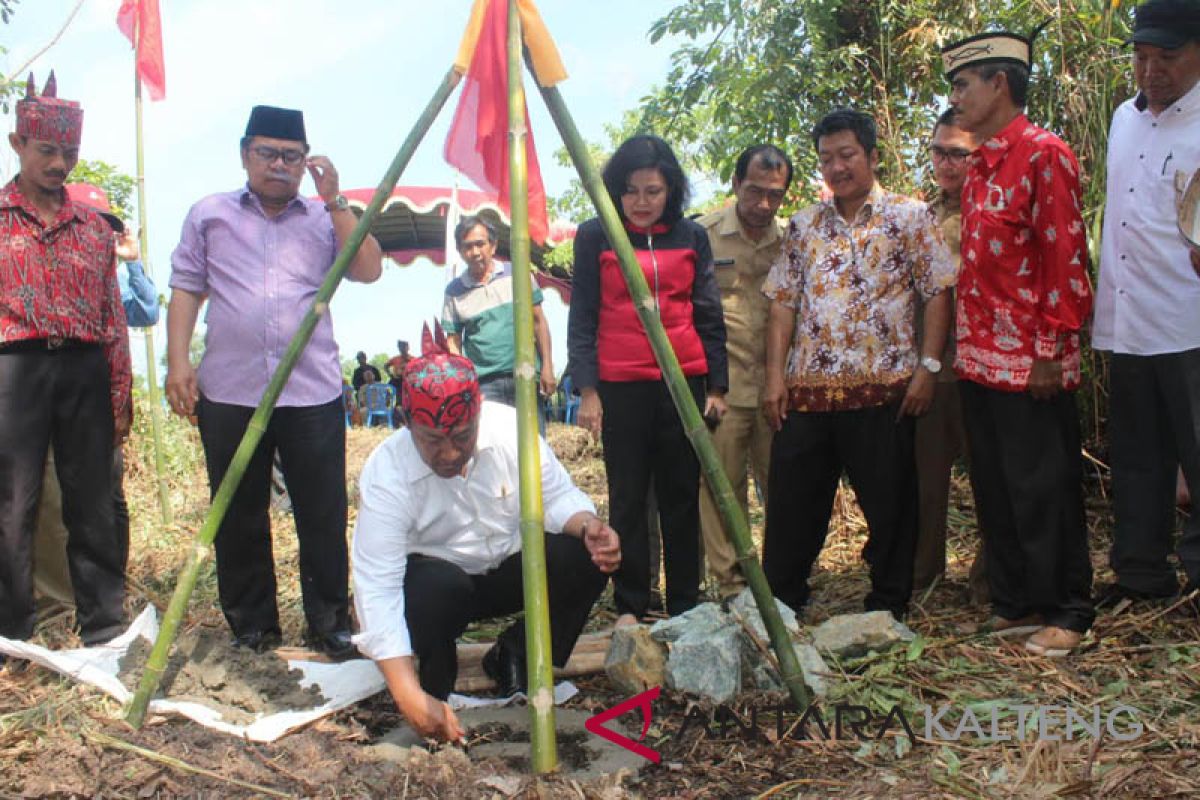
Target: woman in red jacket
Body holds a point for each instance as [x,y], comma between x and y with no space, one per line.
[624,398]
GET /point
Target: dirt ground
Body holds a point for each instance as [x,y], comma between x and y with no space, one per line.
[203,667]
[60,739]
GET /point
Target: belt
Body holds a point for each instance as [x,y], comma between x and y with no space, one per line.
[50,344]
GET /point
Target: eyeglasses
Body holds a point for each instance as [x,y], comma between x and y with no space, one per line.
[757,193]
[268,155]
[953,155]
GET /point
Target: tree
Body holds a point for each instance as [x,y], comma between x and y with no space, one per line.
[116,184]
[756,71]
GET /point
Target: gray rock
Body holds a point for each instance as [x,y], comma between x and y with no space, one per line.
[744,606]
[635,662]
[851,635]
[816,671]
[760,674]
[708,665]
[701,620]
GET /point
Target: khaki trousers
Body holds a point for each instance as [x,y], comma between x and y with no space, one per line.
[743,441]
[51,576]
[940,441]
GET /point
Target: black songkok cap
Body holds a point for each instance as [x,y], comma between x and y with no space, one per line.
[1169,24]
[277,123]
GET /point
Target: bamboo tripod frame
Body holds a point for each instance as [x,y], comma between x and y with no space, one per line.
[533,556]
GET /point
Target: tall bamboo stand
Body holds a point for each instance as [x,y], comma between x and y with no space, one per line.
[152,391]
[201,547]
[533,545]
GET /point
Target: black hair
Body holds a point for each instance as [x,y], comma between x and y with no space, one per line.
[1015,75]
[468,224]
[647,152]
[948,117]
[847,119]
[768,156]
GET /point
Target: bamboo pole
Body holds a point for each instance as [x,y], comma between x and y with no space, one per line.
[539,668]
[200,549]
[156,410]
[693,424]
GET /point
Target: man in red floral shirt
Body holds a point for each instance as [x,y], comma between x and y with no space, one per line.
[1023,295]
[64,372]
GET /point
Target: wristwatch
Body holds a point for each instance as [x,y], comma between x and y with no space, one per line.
[339,203]
[932,364]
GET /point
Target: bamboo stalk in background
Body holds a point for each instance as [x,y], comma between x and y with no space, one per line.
[200,550]
[539,668]
[731,513]
[152,391]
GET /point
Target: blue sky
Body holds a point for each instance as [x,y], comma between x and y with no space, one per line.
[361,71]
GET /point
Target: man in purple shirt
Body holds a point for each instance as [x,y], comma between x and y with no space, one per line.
[258,255]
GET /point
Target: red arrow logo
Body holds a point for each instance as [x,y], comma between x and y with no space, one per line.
[642,701]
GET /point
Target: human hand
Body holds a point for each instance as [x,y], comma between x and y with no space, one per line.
[774,402]
[603,544]
[547,384]
[127,246]
[433,719]
[919,396]
[715,409]
[1045,379]
[591,412]
[122,423]
[181,388]
[324,176]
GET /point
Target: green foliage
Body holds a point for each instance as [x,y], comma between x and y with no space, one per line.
[116,184]
[8,86]
[561,256]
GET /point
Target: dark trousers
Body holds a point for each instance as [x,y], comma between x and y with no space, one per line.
[940,441]
[59,398]
[1154,425]
[1025,457]
[441,599]
[643,440]
[311,441]
[808,456]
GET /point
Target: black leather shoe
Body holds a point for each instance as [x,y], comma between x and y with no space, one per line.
[506,668]
[336,645]
[258,641]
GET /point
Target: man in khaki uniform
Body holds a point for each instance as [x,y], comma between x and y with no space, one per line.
[745,239]
[940,436]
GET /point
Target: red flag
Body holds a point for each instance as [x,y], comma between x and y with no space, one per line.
[478,141]
[142,17]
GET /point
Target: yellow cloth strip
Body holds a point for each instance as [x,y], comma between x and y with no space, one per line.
[547,64]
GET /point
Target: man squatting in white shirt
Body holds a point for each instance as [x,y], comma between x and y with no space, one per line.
[437,544]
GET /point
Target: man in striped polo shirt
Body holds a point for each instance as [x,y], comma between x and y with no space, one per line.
[478,316]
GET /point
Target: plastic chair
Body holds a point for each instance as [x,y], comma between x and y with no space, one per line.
[379,399]
[349,404]
[571,406]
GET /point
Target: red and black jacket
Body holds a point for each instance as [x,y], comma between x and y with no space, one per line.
[605,338]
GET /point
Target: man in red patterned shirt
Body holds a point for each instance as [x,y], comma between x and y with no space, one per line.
[64,372]
[1023,295]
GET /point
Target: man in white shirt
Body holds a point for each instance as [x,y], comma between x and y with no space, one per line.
[437,544]
[1148,306]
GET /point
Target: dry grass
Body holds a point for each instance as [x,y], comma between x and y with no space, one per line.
[1145,658]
